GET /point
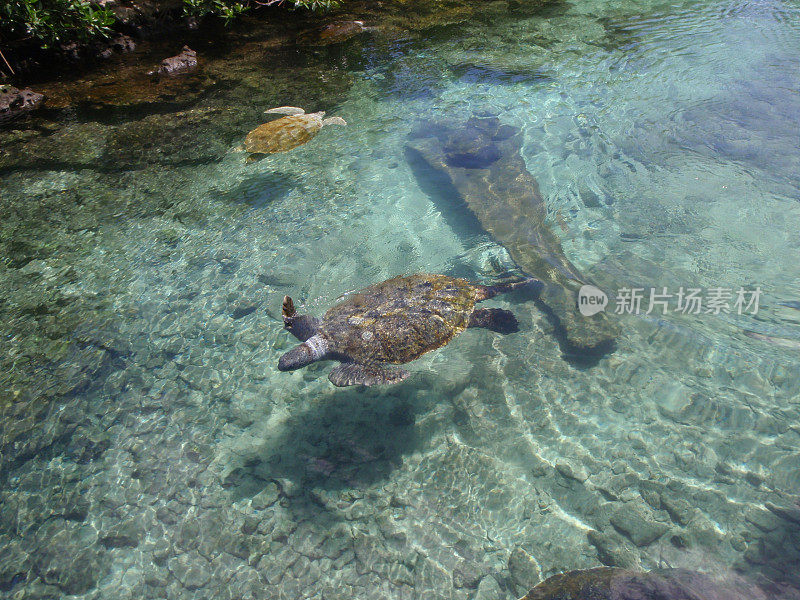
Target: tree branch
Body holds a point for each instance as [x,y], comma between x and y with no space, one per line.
[5,61]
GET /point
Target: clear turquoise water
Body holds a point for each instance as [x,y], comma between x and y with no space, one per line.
[152,448]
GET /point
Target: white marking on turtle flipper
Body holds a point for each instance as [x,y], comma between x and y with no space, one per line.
[318,345]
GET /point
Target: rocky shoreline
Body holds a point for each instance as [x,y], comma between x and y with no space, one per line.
[147,28]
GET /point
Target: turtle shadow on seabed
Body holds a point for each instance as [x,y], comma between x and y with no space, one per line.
[347,439]
[258,190]
[475,175]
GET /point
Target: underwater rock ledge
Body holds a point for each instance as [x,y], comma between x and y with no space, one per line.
[480,164]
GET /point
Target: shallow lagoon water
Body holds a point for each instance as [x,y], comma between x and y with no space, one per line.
[150,447]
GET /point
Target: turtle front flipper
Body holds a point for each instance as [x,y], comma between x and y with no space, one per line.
[494,319]
[313,349]
[334,121]
[285,110]
[356,374]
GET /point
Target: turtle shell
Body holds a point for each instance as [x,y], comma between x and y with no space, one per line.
[400,319]
[283,134]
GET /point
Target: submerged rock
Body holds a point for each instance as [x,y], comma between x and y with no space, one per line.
[48,146]
[332,33]
[180,63]
[488,589]
[15,103]
[611,552]
[608,583]
[637,526]
[524,569]
[480,164]
[186,137]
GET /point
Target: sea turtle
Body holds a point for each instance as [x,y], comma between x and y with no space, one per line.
[285,133]
[394,321]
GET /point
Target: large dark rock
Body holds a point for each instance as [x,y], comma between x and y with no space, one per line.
[15,103]
[183,62]
[119,44]
[479,162]
[607,583]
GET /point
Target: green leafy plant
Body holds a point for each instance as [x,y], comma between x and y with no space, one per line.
[230,9]
[317,4]
[51,22]
[227,9]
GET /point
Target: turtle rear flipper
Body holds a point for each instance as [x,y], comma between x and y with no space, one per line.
[356,374]
[495,319]
[251,158]
[490,291]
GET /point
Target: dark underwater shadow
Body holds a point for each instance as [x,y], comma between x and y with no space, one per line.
[476,73]
[445,198]
[578,357]
[458,216]
[348,438]
[773,552]
[261,189]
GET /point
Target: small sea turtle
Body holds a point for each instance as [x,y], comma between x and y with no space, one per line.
[395,321]
[287,132]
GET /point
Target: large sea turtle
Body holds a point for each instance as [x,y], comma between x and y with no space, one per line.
[286,133]
[395,321]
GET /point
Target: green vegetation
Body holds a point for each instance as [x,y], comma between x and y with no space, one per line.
[229,9]
[53,22]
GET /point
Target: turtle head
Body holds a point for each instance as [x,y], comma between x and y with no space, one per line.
[334,121]
[300,326]
[313,349]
